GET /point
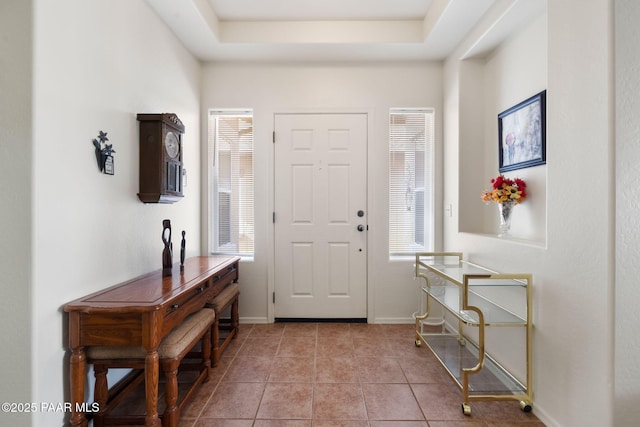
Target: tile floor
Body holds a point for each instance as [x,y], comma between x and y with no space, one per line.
[336,375]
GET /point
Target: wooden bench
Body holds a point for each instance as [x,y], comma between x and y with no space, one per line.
[225,299]
[174,347]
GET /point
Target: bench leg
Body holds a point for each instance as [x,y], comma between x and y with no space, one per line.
[235,318]
[206,353]
[170,415]
[215,341]
[234,323]
[100,393]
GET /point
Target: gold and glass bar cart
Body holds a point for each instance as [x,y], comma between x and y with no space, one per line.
[464,299]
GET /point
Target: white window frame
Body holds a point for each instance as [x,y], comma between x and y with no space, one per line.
[401,244]
[232,247]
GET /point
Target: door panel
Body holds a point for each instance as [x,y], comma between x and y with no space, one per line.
[320,185]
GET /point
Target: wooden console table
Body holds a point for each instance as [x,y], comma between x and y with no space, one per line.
[141,312]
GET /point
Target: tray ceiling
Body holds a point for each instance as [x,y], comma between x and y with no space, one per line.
[341,30]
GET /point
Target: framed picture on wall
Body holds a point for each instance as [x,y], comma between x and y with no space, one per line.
[521,134]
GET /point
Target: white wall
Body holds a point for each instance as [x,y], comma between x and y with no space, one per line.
[371,88]
[488,85]
[97,64]
[627,317]
[573,269]
[16,205]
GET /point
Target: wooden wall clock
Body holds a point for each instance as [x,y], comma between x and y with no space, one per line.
[161,161]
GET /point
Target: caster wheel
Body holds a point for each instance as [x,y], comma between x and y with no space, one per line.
[466,409]
[418,343]
[525,406]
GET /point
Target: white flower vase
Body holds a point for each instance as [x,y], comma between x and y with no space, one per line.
[506,209]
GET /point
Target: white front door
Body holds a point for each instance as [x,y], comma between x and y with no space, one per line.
[320,216]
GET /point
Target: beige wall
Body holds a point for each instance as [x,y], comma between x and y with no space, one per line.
[627,318]
[16,169]
[96,65]
[572,265]
[370,88]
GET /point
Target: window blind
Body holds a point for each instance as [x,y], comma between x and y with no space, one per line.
[231,154]
[411,217]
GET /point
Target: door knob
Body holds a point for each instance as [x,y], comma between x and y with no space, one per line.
[360,227]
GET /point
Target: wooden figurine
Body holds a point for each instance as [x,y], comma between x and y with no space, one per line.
[167,252]
[182,251]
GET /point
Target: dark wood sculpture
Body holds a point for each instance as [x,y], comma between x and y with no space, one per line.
[183,245]
[167,252]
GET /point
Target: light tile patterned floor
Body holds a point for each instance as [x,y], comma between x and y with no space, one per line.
[336,375]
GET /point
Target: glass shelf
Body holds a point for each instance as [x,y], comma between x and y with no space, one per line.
[450,296]
[477,297]
[455,357]
[455,272]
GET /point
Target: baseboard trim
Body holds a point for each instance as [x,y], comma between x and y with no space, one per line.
[382,320]
[253,320]
[319,320]
[394,320]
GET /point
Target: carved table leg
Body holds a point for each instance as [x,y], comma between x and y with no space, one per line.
[76,376]
[170,416]
[151,376]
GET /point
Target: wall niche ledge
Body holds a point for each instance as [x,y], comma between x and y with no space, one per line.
[534,243]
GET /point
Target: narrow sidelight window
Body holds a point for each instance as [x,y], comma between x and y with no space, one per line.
[411,175]
[231,222]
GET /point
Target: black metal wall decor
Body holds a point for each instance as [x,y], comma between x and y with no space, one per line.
[103,153]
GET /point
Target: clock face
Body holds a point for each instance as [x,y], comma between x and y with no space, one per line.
[172,145]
